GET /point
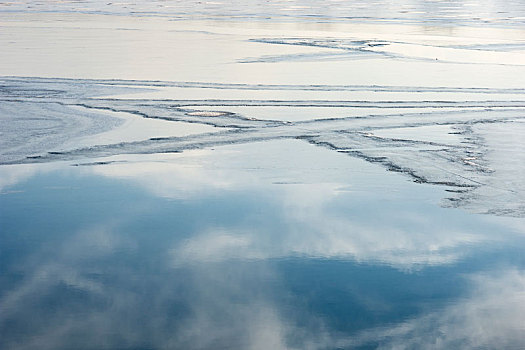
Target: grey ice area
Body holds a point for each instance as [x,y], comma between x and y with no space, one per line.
[27,128]
[428,12]
[419,50]
[474,148]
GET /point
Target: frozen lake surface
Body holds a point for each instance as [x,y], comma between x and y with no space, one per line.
[255,175]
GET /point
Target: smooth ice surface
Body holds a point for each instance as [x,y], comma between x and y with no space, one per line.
[262,174]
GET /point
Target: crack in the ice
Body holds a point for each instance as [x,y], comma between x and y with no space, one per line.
[459,164]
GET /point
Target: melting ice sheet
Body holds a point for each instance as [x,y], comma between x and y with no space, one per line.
[276,243]
[262,175]
[470,145]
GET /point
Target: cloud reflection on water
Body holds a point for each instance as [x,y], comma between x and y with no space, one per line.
[322,207]
[234,305]
[109,284]
[69,298]
[490,317]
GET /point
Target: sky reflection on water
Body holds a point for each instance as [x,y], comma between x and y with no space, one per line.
[235,248]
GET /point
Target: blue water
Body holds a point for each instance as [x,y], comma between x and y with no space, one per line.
[94,261]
